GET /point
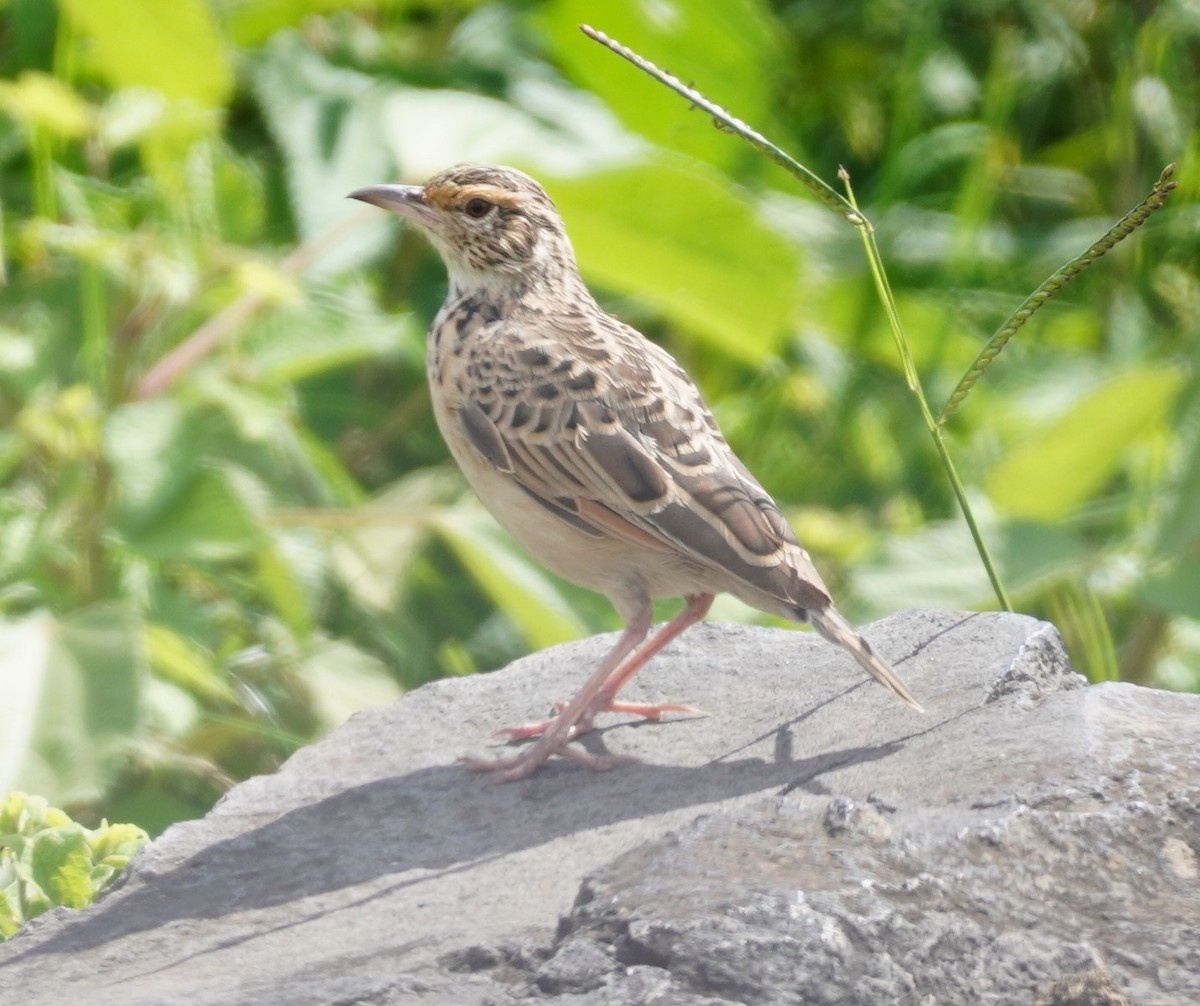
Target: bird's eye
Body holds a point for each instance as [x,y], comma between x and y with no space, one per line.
[477,208]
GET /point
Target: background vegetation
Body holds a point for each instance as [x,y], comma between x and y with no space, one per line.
[226,517]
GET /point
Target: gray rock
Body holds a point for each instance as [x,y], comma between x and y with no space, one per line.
[1029,840]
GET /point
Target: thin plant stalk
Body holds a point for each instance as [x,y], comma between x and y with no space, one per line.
[731,124]
[1056,281]
[884,289]
[849,211]
[232,319]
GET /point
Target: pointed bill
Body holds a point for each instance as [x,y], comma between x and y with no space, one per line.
[403,200]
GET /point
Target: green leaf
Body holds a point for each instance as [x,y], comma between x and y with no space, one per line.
[728,50]
[1179,531]
[173,48]
[938,567]
[329,469]
[40,100]
[1072,458]
[71,690]
[153,451]
[343,679]
[209,520]
[326,120]
[676,237]
[62,866]
[115,844]
[330,332]
[186,664]
[1176,591]
[374,551]
[515,584]
[281,584]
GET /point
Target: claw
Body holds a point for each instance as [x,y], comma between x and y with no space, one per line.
[532,758]
[556,735]
[649,712]
[654,713]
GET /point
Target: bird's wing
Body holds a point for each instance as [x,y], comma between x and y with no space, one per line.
[606,430]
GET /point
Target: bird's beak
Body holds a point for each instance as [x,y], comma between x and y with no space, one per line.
[404,200]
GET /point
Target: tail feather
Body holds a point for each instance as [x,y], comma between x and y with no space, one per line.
[830,624]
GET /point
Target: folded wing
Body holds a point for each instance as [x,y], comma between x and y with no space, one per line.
[606,430]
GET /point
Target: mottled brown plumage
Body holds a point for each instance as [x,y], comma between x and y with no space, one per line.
[591,444]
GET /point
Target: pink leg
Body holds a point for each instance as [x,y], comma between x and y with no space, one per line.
[693,611]
[597,695]
[560,731]
[695,608]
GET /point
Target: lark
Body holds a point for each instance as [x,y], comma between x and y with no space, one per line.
[593,447]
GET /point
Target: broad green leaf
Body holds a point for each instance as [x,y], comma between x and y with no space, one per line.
[45,102]
[938,567]
[174,47]
[1073,457]
[70,689]
[183,662]
[676,237]
[46,859]
[1176,591]
[342,487]
[153,451]
[332,331]
[513,581]
[210,519]
[935,568]
[343,679]
[24,672]
[555,131]
[728,50]
[12,914]
[1179,531]
[283,587]
[375,544]
[62,866]
[326,121]
[115,844]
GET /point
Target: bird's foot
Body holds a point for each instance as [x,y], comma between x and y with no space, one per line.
[529,730]
[551,737]
[650,712]
[586,722]
[530,759]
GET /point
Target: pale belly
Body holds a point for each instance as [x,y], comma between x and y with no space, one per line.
[607,565]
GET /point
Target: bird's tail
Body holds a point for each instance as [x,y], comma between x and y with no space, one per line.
[830,624]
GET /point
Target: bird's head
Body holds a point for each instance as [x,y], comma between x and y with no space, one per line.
[494,227]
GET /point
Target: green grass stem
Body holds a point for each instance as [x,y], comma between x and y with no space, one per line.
[846,207]
[1056,281]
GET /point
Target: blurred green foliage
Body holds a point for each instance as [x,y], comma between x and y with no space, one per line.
[46,859]
[226,517]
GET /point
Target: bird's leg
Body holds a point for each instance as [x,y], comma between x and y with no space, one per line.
[695,608]
[693,611]
[555,734]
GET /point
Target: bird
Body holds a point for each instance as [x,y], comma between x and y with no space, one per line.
[593,447]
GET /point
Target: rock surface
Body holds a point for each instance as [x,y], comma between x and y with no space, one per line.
[1029,840]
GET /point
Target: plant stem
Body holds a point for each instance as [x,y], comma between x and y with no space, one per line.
[1055,282]
[848,209]
[883,288]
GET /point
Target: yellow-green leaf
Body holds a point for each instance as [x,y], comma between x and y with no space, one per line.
[727,49]
[678,238]
[183,662]
[173,48]
[62,866]
[41,100]
[1073,457]
[516,585]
